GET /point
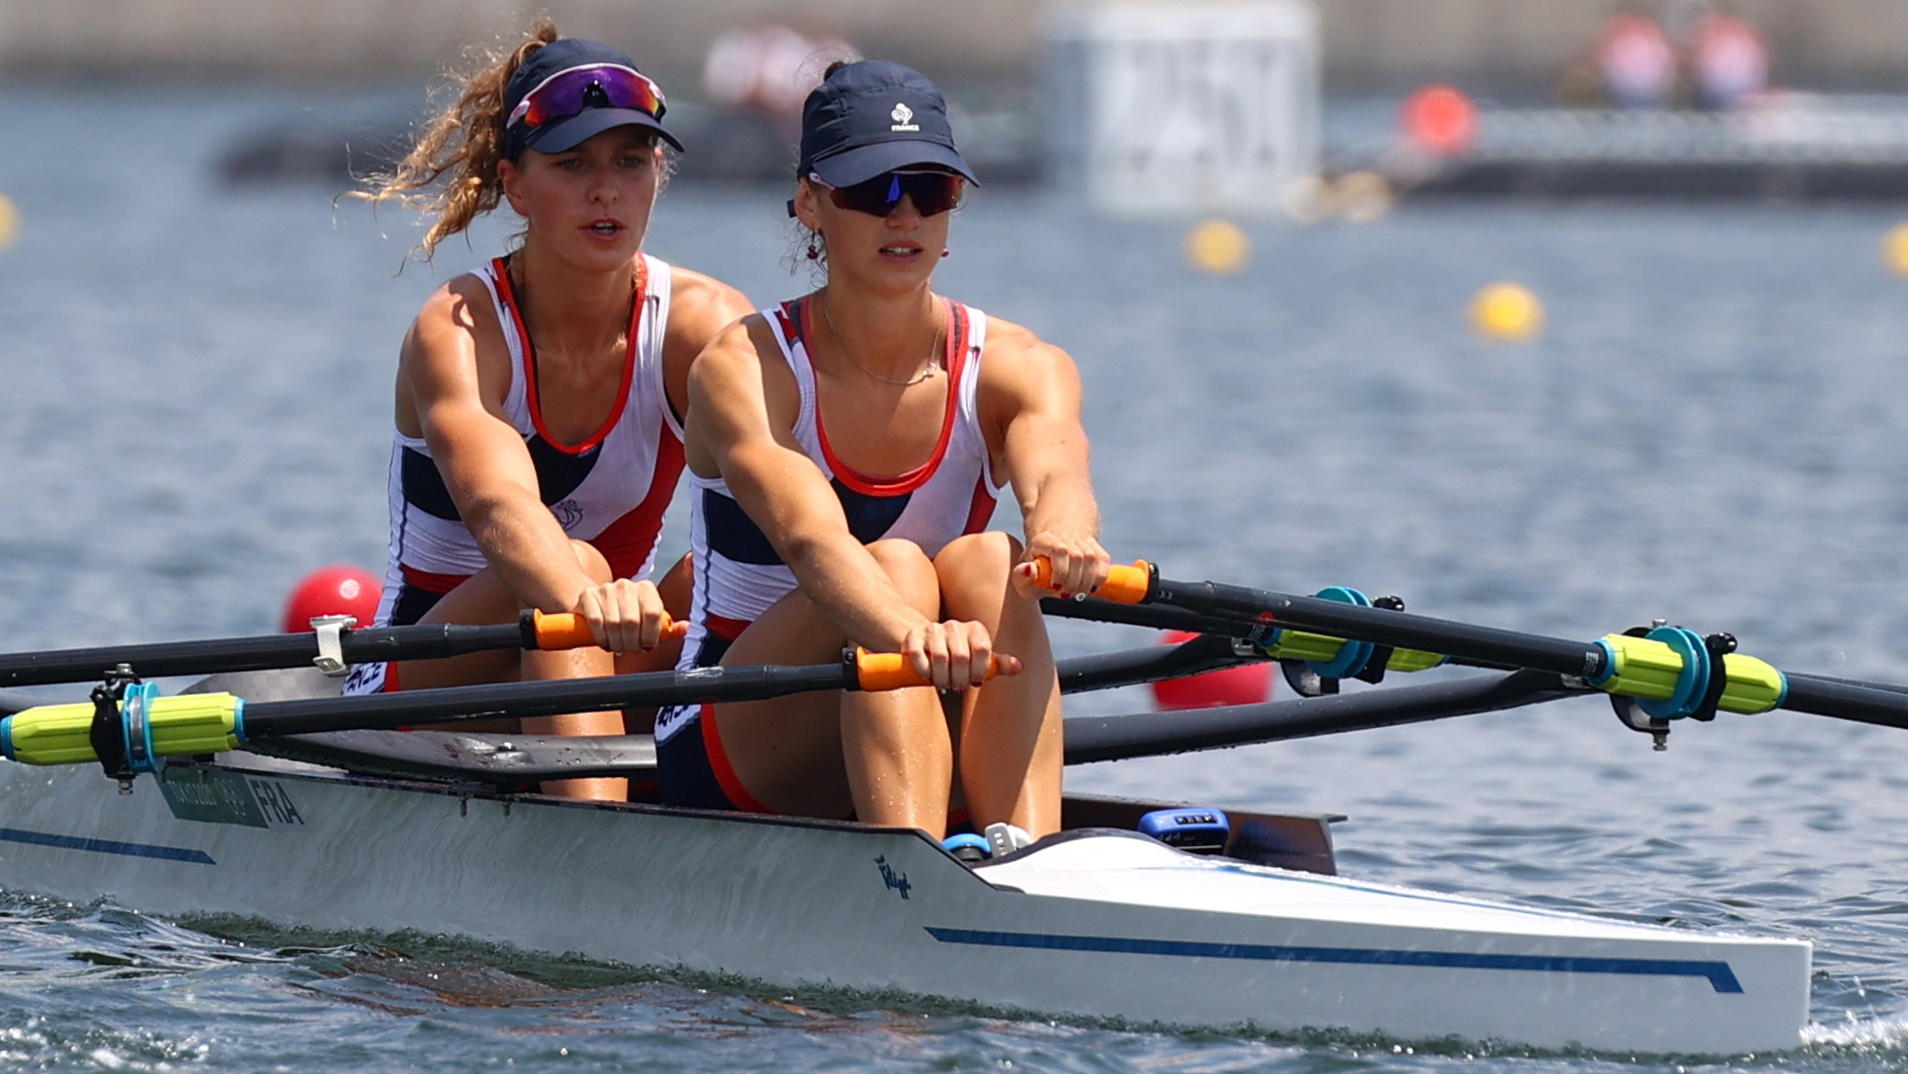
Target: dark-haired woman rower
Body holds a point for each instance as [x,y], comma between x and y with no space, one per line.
[846,449]
[539,398]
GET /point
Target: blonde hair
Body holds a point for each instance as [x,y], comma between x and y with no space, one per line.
[460,145]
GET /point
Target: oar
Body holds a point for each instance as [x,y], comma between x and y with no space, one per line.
[1156,734]
[1670,670]
[533,630]
[1088,738]
[150,726]
[1128,667]
[1271,642]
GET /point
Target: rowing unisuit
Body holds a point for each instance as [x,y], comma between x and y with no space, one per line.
[738,573]
[610,490]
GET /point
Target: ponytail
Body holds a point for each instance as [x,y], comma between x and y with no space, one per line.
[460,146]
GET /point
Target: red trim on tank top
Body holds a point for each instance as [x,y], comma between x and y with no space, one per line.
[785,319]
[721,769]
[981,510]
[723,627]
[429,582]
[869,485]
[509,296]
[629,540]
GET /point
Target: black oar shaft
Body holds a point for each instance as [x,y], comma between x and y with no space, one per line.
[1108,738]
[1860,702]
[1159,616]
[1101,671]
[545,698]
[1405,629]
[264,652]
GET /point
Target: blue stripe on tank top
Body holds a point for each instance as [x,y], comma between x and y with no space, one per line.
[869,517]
[732,534]
[424,486]
[559,473]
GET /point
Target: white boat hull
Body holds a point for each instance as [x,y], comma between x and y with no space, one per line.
[1108,925]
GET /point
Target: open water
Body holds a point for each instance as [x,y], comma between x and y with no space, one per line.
[195,412]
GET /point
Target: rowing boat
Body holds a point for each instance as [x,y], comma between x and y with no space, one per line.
[433,831]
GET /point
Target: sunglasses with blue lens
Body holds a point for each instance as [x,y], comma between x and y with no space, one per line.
[932,192]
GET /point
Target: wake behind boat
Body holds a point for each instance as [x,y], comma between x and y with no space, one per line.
[434,831]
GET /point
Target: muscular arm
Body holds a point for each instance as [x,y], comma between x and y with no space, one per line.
[700,307]
[743,408]
[457,396]
[1031,391]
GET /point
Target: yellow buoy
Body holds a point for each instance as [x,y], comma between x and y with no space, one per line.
[9,222]
[1895,249]
[1218,246]
[1507,311]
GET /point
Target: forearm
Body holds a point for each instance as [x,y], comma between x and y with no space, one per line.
[532,556]
[1062,501]
[842,577]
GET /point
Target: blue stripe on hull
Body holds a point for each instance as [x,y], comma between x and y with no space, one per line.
[1718,974]
[106,846]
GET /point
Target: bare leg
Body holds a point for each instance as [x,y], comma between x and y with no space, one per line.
[895,742]
[885,756]
[1010,740]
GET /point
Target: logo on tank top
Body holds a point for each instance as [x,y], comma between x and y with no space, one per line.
[568,513]
[901,114]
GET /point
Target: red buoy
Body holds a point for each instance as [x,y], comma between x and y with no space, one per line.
[1440,121]
[340,589]
[1241,684]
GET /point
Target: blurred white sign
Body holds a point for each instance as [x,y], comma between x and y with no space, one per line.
[1166,108]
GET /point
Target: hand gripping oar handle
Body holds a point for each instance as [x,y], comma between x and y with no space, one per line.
[1125,583]
[892,671]
[155,727]
[567,630]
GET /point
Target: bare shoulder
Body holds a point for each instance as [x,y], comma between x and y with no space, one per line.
[450,320]
[735,358]
[1014,357]
[702,304]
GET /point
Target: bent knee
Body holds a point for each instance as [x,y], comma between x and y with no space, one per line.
[911,571]
[592,561]
[977,556]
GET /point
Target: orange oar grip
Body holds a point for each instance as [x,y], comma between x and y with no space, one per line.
[566,630]
[1125,583]
[891,671]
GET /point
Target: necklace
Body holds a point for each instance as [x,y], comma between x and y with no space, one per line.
[932,367]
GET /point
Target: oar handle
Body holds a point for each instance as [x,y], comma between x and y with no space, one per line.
[567,630]
[891,671]
[1125,583]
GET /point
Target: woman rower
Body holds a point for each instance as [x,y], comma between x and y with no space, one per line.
[846,449]
[539,398]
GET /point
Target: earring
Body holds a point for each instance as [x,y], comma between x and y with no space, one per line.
[814,251]
[944,252]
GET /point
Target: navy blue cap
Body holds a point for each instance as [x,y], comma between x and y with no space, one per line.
[553,59]
[873,117]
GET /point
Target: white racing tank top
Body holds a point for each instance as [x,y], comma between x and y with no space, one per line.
[610,490]
[738,573]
